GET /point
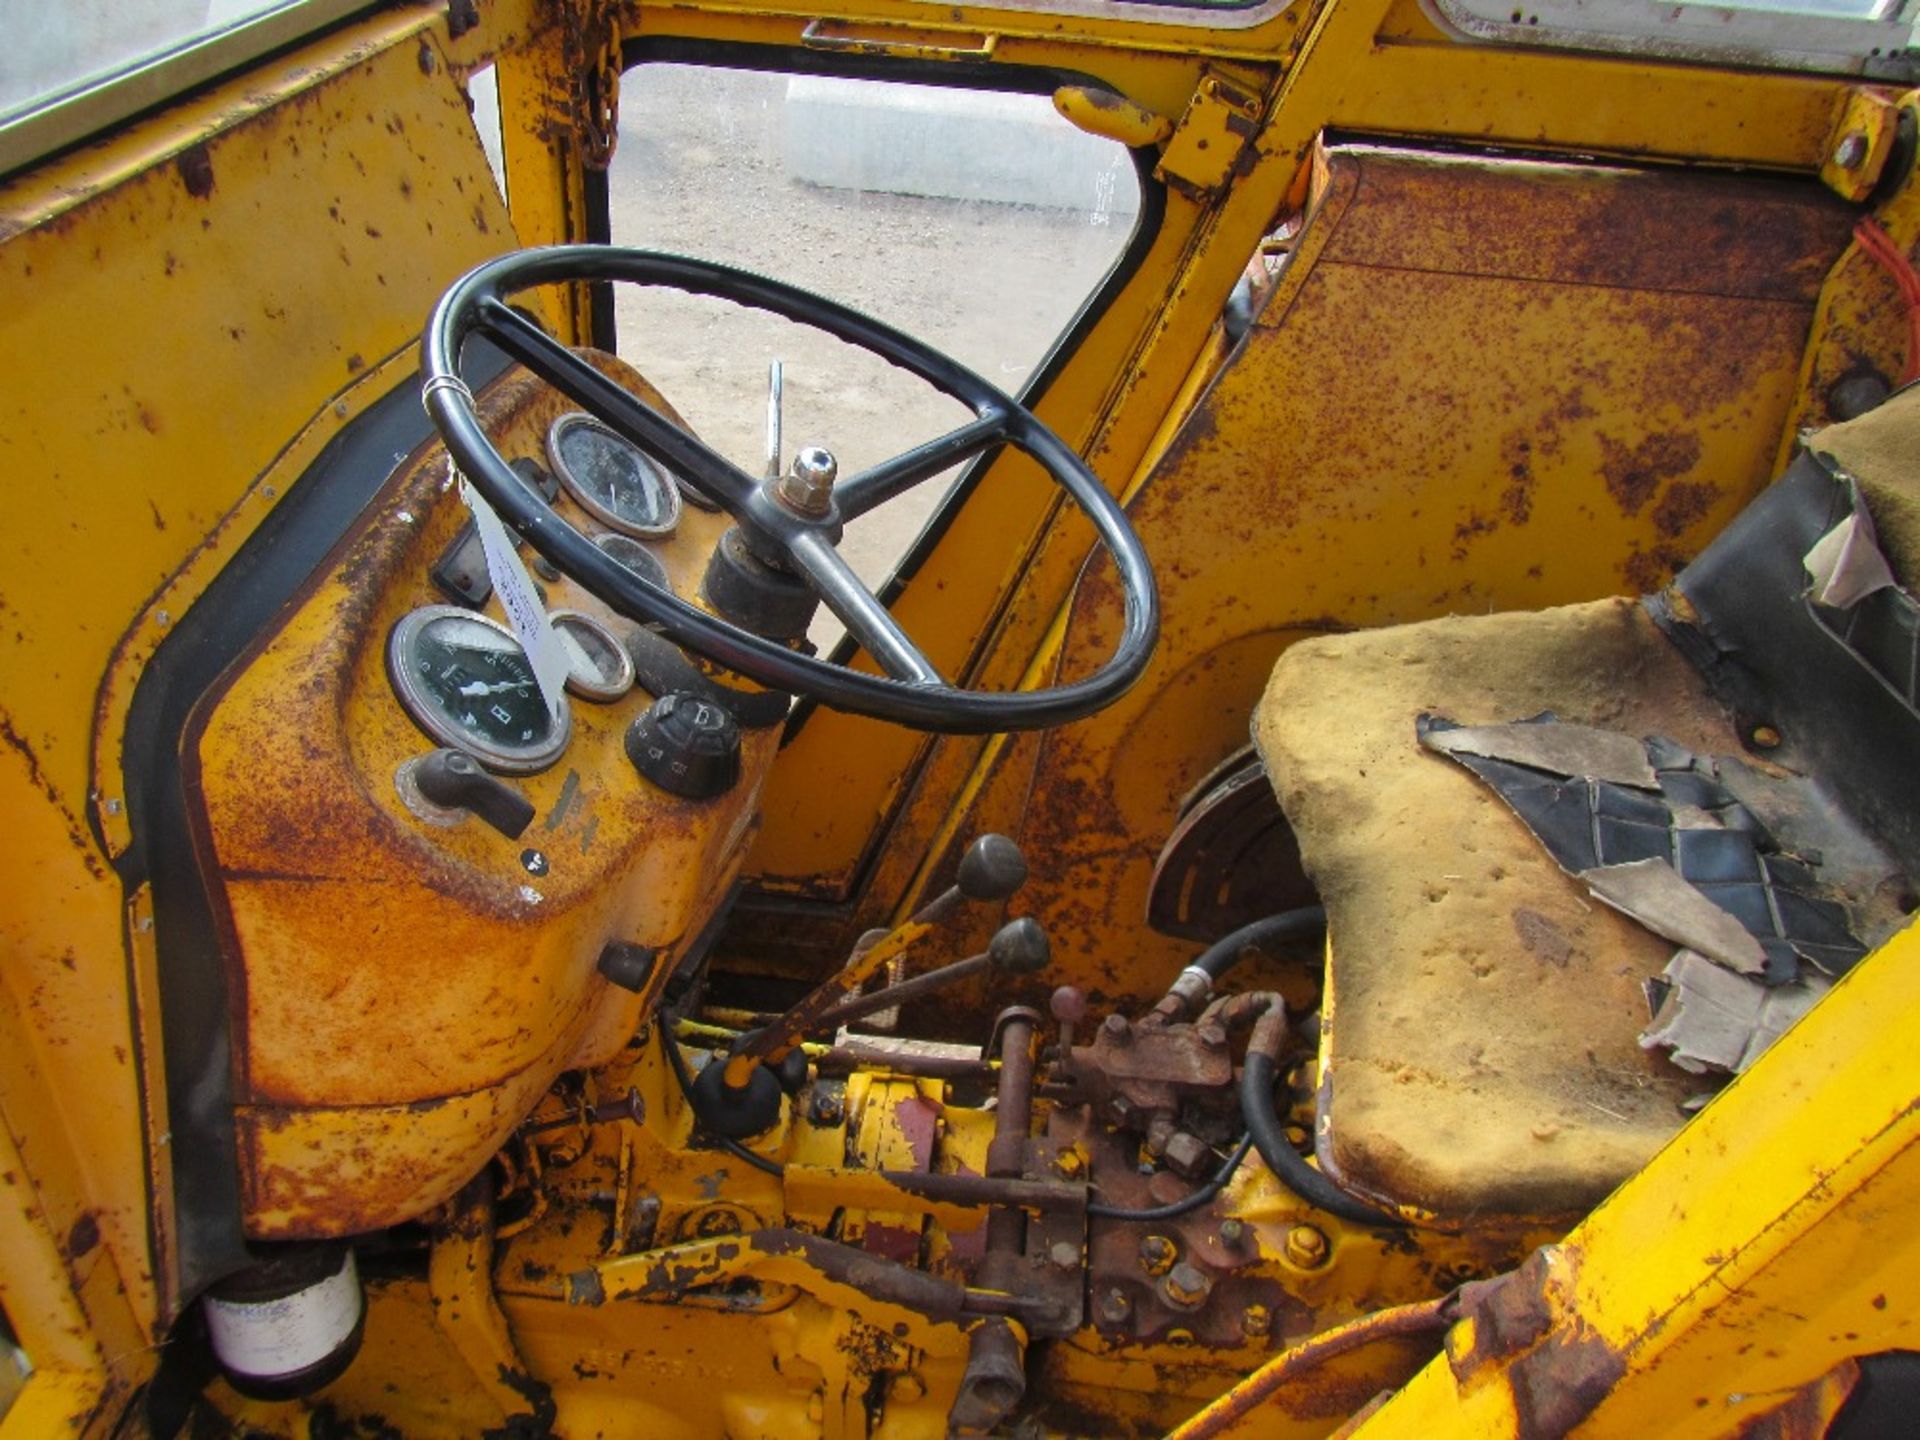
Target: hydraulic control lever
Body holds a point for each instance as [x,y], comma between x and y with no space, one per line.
[741,1095]
[1019,947]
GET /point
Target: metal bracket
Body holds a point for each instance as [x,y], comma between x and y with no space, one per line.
[1859,144]
[1204,152]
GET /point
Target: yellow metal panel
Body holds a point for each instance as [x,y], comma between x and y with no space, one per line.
[1777,1234]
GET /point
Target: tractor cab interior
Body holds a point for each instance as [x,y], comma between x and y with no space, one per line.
[1377,779]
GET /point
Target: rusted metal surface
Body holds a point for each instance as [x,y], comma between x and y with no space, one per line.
[1230,860]
[1427,1318]
[793,1256]
[1477,384]
[370,1092]
[1041,1195]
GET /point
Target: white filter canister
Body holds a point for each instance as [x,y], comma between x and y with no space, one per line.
[271,1339]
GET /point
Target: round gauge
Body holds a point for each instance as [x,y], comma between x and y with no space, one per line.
[610,477]
[465,681]
[635,556]
[600,669]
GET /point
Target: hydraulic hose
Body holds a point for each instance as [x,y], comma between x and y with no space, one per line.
[1193,986]
[1308,922]
[1288,1166]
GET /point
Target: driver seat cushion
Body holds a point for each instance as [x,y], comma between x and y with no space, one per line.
[1480,1052]
[1476,1059]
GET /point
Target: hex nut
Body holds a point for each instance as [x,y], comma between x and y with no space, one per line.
[1188,1155]
[1114,1306]
[1306,1247]
[1186,1286]
[1064,1255]
[1233,1233]
[1157,1254]
[1851,150]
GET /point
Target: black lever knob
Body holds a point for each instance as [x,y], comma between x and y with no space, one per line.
[454,780]
[992,869]
[1019,947]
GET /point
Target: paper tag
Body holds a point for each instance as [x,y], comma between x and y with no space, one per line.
[520,600]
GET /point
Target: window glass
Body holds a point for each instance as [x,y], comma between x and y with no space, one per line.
[50,49]
[978,221]
[1859,37]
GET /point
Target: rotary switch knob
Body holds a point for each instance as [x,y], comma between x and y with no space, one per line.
[687,745]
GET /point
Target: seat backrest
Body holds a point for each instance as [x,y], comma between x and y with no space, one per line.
[1830,690]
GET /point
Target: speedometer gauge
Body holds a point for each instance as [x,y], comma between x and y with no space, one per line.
[611,478]
[465,681]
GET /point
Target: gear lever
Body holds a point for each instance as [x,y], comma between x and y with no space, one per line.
[740,1096]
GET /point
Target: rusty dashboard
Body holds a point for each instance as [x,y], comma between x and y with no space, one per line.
[406,978]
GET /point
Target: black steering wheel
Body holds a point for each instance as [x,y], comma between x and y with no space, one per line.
[792,532]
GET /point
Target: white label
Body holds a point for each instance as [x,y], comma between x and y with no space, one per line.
[520,600]
[282,1337]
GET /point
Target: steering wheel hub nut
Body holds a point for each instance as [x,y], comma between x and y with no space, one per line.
[807,487]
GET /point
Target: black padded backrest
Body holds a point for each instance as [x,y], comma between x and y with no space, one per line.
[1836,686]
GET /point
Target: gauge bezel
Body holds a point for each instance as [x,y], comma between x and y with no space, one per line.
[422,710]
[655,575]
[588,689]
[585,499]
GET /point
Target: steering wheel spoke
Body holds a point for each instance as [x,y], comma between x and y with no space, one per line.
[861,493]
[710,472]
[860,611]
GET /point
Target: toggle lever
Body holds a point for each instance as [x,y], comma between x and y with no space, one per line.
[1019,947]
[740,1096]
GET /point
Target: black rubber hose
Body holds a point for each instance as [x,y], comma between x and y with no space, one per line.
[1306,923]
[1176,1208]
[1292,1171]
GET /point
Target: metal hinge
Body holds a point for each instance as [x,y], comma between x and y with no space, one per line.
[1204,152]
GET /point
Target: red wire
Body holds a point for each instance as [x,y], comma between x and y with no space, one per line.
[1891,258]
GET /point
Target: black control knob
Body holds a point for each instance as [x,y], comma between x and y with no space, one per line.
[687,745]
[454,780]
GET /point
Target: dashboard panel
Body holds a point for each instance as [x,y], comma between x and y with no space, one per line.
[408,981]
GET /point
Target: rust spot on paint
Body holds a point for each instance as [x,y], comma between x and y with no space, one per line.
[1686,503]
[195,165]
[82,1238]
[1633,475]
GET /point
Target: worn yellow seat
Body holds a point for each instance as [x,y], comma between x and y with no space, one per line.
[1480,1034]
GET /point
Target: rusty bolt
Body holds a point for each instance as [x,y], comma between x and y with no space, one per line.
[825,1109]
[1115,1306]
[1116,1029]
[1256,1320]
[1233,1233]
[1157,1254]
[1064,1255]
[1851,150]
[1188,1155]
[1185,1287]
[1306,1247]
